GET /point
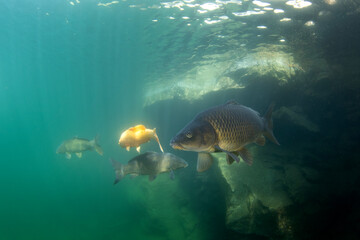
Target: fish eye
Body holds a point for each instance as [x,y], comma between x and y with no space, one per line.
[188,134]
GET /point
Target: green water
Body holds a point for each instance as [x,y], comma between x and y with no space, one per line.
[76,71]
[59,80]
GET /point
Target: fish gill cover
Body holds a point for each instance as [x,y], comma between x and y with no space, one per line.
[76,68]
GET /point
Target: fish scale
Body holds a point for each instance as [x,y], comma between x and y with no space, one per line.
[225,128]
[234,129]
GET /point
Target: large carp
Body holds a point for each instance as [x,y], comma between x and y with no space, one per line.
[78,146]
[149,163]
[225,128]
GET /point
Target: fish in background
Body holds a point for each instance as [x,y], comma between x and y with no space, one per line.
[135,136]
[225,128]
[149,163]
[78,146]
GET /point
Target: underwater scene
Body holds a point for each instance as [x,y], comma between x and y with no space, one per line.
[187,119]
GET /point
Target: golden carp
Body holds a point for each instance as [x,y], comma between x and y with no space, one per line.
[135,136]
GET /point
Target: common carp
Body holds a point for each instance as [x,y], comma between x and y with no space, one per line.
[225,128]
[135,136]
[149,163]
[78,146]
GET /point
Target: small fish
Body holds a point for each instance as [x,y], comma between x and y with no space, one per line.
[78,146]
[135,136]
[149,163]
[225,128]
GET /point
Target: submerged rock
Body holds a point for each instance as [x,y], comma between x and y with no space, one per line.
[256,196]
[270,61]
[193,84]
[220,72]
[166,213]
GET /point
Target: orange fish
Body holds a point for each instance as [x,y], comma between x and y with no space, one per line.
[135,136]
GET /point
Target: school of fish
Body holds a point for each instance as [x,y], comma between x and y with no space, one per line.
[227,128]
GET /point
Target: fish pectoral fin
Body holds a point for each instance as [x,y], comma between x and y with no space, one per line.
[204,162]
[172,175]
[260,140]
[68,155]
[230,154]
[79,154]
[127,148]
[152,177]
[138,149]
[233,156]
[217,149]
[229,159]
[246,156]
[157,139]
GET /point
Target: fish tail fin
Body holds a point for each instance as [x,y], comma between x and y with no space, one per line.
[157,139]
[97,146]
[268,124]
[119,170]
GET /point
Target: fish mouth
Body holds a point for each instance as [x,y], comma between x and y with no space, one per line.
[175,145]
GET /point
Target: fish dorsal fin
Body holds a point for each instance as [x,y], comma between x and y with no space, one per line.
[232,102]
[137,128]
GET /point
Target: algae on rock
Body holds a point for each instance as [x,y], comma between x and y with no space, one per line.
[167,213]
[256,196]
[270,61]
[192,85]
[220,72]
